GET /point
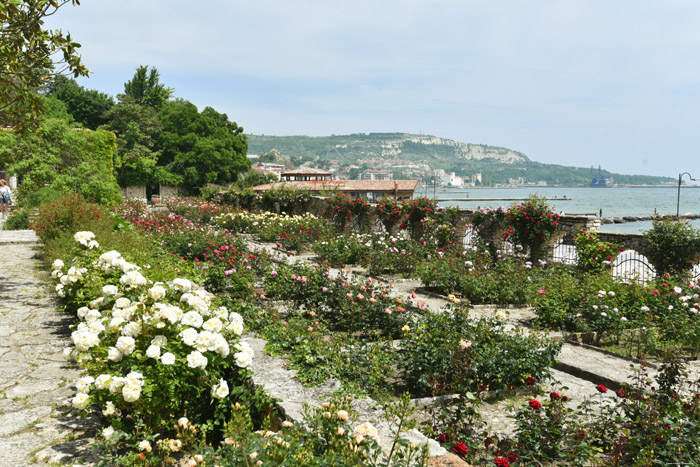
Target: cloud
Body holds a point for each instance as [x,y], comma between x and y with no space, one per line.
[571,81]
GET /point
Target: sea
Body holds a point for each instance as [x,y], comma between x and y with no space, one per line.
[611,202]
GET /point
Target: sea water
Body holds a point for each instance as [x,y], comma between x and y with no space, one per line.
[611,202]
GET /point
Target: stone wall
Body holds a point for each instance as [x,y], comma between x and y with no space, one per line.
[133,192]
[168,192]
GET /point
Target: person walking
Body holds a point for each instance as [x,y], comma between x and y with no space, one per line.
[5,197]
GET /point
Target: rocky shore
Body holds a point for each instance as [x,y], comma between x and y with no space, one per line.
[622,220]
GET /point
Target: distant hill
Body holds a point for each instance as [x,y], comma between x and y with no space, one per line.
[416,156]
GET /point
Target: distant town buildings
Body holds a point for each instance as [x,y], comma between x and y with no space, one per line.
[305,174]
[376,175]
[268,168]
[371,190]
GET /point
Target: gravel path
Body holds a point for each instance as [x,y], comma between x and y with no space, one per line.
[36,379]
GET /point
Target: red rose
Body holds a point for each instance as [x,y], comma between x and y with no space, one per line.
[443,437]
[530,380]
[460,448]
[535,404]
[502,462]
[512,457]
[554,395]
[601,389]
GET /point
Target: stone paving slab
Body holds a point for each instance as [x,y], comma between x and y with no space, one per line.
[35,377]
[10,237]
[271,374]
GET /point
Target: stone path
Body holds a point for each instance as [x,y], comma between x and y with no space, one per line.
[36,379]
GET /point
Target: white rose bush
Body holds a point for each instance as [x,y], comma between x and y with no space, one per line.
[152,352]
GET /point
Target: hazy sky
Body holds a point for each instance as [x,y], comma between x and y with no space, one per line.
[573,82]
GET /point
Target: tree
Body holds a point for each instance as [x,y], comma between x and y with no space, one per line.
[87,106]
[31,56]
[201,147]
[63,159]
[137,129]
[145,89]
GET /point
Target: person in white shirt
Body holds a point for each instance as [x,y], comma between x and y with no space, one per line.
[5,197]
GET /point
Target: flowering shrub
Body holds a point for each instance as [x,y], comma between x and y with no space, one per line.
[285,200]
[479,277]
[196,209]
[416,211]
[452,353]
[346,248]
[70,213]
[153,352]
[328,436]
[672,247]
[342,210]
[489,224]
[595,256]
[530,224]
[390,213]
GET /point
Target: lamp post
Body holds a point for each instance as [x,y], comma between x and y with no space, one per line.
[678,202]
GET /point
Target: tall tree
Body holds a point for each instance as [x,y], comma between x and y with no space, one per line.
[137,129]
[146,89]
[31,56]
[87,106]
[201,147]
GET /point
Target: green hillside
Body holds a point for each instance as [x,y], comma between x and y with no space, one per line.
[417,156]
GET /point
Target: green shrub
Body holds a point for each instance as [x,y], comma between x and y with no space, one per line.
[673,247]
[594,255]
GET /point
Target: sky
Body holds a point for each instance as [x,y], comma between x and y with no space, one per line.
[583,83]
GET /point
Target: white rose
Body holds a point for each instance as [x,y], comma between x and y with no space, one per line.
[182,285]
[156,292]
[189,336]
[197,360]
[192,318]
[167,359]
[213,325]
[80,401]
[153,351]
[102,381]
[83,384]
[159,340]
[133,279]
[220,390]
[57,264]
[109,290]
[110,409]
[114,355]
[122,302]
[108,432]
[132,329]
[126,344]
[131,392]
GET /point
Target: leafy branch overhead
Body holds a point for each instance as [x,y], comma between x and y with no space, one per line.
[30,57]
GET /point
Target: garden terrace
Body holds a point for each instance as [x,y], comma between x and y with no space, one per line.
[373,332]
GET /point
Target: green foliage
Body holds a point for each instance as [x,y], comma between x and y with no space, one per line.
[285,200]
[594,255]
[18,220]
[325,437]
[70,214]
[673,247]
[31,56]
[137,129]
[87,107]
[489,225]
[66,160]
[146,89]
[451,352]
[201,147]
